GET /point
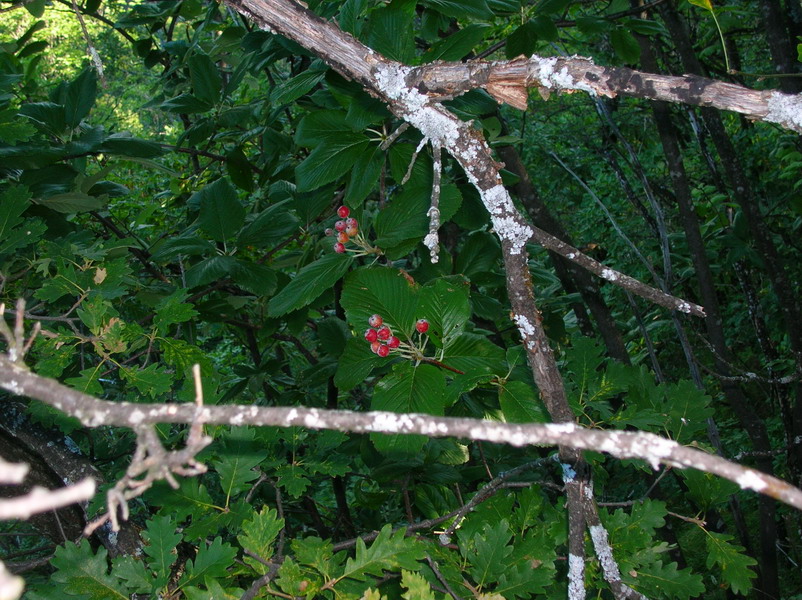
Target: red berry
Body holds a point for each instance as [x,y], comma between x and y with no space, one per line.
[371,335]
[329,231]
[343,212]
[351,223]
[339,226]
[383,351]
[384,332]
[375,321]
[339,248]
[422,325]
[393,342]
[374,346]
[351,231]
[342,237]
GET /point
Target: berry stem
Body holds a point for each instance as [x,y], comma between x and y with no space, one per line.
[437,363]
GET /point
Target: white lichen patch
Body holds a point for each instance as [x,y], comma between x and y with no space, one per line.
[136,417]
[576,579]
[432,242]
[561,427]
[14,387]
[543,69]
[785,110]
[508,228]
[609,275]
[602,546]
[684,307]
[751,480]
[524,326]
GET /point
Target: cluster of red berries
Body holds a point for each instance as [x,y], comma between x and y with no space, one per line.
[381,337]
[345,229]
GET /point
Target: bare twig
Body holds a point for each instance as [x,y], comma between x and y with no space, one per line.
[40,500]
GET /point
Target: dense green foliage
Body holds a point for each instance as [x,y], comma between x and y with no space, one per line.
[173,211]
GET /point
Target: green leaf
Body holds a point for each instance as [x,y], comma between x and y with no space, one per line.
[81,572]
[665,581]
[706,4]
[294,88]
[14,201]
[322,126]
[364,177]
[388,552]
[72,202]
[330,160]
[522,41]
[309,284]
[520,403]
[733,562]
[188,244]
[383,291]
[211,561]
[389,30]
[625,45]
[153,380]
[125,145]
[257,536]
[172,309]
[36,7]
[254,278]
[444,303]
[417,588]
[221,214]
[240,454]
[206,81]
[239,169]
[48,115]
[162,539]
[490,553]
[458,44]
[210,269]
[269,226]
[552,7]
[355,363]
[185,104]
[479,255]
[408,389]
[79,97]
[459,9]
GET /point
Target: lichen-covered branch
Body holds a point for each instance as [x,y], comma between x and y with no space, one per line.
[654,449]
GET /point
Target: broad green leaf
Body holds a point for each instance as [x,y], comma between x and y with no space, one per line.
[82,572]
[152,380]
[211,561]
[133,573]
[408,389]
[364,177]
[384,291]
[188,244]
[355,363]
[206,81]
[457,45]
[79,97]
[125,145]
[388,552]
[14,201]
[254,278]
[237,458]
[479,255]
[702,3]
[172,309]
[459,9]
[48,115]
[72,202]
[210,269]
[477,356]
[490,553]
[330,160]
[162,539]
[417,588]
[269,226]
[708,491]
[545,29]
[332,333]
[389,30]
[522,41]
[552,7]
[213,591]
[732,560]
[294,88]
[321,126]
[239,169]
[520,403]
[88,381]
[406,218]
[665,581]
[36,7]
[444,303]
[310,282]
[185,103]
[221,214]
[257,536]
[625,45]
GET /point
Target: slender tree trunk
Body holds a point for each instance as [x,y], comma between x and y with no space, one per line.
[783,53]
[571,276]
[750,421]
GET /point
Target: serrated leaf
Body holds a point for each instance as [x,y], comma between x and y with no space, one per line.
[330,160]
[383,291]
[211,561]
[417,588]
[134,573]
[389,551]
[355,364]
[186,104]
[210,269]
[445,304]
[188,245]
[490,552]
[389,30]
[659,580]
[162,539]
[152,381]
[72,202]
[625,45]
[254,278]
[13,202]
[732,560]
[221,214]
[206,80]
[310,282]
[81,572]
[79,97]
[458,44]
[294,88]
[408,389]
[269,226]
[459,9]
[257,536]
[172,309]
[520,403]
[236,462]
